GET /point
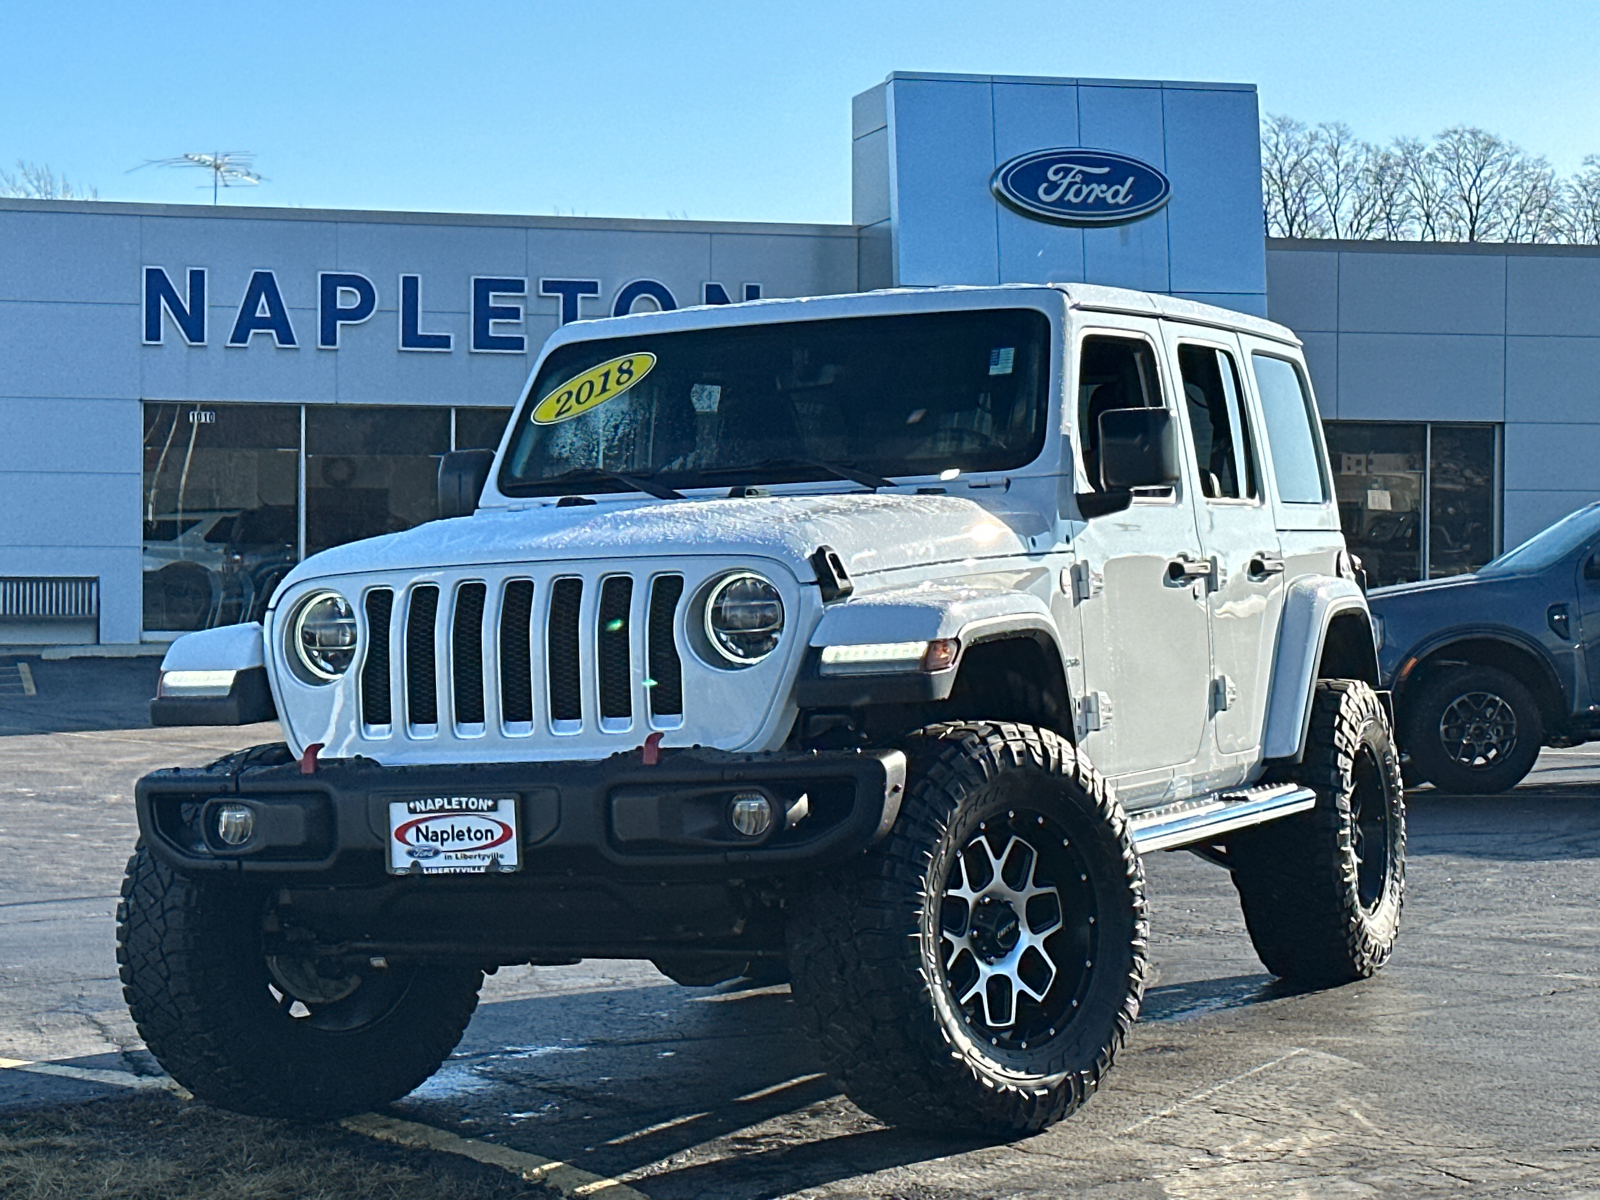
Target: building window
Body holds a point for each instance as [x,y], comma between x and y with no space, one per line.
[1417,501]
[221,511]
[235,494]
[371,470]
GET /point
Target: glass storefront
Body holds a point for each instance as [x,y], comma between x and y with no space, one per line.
[235,494]
[1417,501]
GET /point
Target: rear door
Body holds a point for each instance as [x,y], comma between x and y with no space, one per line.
[1240,537]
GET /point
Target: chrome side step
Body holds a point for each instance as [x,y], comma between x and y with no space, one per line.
[1189,822]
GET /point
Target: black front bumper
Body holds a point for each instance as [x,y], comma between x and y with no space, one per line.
[616,819]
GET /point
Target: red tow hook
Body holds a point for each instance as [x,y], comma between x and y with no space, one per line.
[650,752]
[308,760]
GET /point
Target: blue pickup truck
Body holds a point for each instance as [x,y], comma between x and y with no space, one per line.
[1487,668]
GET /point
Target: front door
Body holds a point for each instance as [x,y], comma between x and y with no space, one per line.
[1240,536]
[1139,587]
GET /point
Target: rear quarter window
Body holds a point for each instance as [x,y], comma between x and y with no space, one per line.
[1290,428]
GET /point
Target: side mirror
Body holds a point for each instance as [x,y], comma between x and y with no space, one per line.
[462,474]
[1138,449]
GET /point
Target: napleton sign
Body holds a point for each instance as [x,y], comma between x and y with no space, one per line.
[1080,187]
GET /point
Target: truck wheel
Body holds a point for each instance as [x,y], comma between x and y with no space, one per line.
[1474,731]
[1322,890]
[980,968]
[269,1035]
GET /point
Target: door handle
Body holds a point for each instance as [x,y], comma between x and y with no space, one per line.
[1265,566]
[1185,569]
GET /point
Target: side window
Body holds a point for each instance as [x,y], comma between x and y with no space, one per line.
[1113,372]
[1291,439]
[1217,424]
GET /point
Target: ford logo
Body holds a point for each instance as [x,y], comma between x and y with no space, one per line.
[1080,187]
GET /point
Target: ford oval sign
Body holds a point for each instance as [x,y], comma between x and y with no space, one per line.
[1080,187]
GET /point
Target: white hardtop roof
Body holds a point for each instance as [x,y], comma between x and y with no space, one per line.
[1085,296]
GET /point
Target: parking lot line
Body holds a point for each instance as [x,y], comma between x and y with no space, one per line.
[1207,1093]
[797,1081]
[551,1173]
[88,1075]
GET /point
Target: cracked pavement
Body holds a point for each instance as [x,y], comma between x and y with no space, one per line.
[1468,1067]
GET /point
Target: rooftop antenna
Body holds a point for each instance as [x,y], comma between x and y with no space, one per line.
[229,168]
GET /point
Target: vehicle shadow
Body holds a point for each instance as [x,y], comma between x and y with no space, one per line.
[78,695]
[715,1089]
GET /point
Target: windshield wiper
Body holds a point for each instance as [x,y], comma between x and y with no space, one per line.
[837,470]
[636,483]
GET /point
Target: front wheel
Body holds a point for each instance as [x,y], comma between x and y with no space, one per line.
[1322,890]
[1474,731]
[274,1035]
[981,967]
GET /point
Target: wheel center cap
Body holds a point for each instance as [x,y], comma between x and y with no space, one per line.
[995,928]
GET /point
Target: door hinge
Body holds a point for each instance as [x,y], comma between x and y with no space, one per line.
[1087,583]
[1094,712]
[1224,694]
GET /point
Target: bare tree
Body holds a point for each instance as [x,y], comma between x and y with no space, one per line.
[1390,203]
[35,181]
[1286,151]
[1581,207]
[1336,170]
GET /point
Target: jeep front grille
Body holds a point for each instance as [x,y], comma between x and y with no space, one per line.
[521,657]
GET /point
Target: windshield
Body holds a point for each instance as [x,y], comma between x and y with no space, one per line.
[1549,546]
[885,396]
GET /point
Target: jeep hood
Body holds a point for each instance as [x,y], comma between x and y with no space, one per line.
[872,533]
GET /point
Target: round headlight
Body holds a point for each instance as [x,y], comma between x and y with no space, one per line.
[744,618]
[323,636]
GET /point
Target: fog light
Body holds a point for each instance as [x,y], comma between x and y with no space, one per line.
[235,824]
[750,813]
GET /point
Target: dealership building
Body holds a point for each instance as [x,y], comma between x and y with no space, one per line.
[194,398]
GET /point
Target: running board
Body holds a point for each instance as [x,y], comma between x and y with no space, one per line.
[1204,818]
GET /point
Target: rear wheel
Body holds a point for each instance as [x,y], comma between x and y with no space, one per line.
[1474,730]
[274,1035]
[1322,891]
[982,965]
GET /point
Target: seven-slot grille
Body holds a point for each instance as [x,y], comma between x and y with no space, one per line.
[557,655]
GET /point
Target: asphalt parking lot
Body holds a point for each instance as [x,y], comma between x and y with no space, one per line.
[1468,1067]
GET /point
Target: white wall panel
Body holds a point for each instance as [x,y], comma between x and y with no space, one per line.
[1213,157]
[446,257]
[68,256]
[783,265]
[1422,293]
[1558,295]
[117,568]
[941,150]
[1035,116]
[1551,457]
[1303,290]
[1527,512]
[1553,379]
[1127,120]
[70,435]
[1322,359]
[259,371]
[61,508]
[72,351]
[1411,377]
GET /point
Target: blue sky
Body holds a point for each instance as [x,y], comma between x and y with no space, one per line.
[717,110]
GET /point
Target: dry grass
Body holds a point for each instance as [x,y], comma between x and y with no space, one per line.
[155,1147]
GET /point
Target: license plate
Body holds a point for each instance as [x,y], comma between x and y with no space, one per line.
[453,835]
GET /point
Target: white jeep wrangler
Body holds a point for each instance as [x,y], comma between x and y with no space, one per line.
[865,642]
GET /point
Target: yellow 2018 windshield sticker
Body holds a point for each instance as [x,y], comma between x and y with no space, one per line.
[587,392]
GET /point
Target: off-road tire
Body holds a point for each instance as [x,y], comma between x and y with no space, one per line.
[1435,762]
[1317,915]
[867,944]
[195,977]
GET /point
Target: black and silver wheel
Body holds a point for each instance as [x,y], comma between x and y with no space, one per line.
[981,967]
[1322,891]
[274,1035]
[1474,730]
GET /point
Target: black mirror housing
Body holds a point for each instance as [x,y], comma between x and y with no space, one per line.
[462,475]
[1138,449]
